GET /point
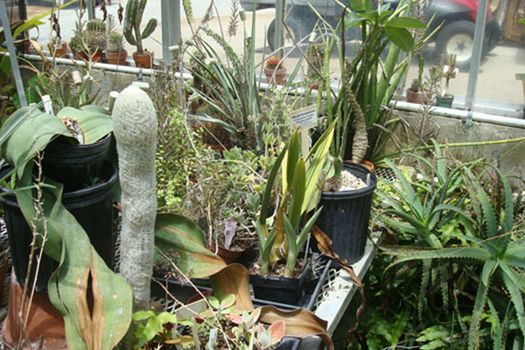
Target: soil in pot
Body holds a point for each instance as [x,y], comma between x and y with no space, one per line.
[75,165]
[284,290]
[117,57]
[144,60]
[346,214]
[91,206]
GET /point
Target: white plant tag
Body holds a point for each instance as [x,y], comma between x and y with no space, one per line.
[48,104]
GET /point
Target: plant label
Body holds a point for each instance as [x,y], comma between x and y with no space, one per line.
[48,104]
[305,118]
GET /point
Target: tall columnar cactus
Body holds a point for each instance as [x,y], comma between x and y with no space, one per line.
[135,129]
[132,22]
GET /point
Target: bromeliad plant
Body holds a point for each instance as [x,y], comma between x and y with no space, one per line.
[284,237]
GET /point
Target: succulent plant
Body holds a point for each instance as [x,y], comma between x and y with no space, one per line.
[132,24]
[135,129]
[96,25]
[273,62]
[95,35]
[115,42]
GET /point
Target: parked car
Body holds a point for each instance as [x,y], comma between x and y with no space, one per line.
[455,36]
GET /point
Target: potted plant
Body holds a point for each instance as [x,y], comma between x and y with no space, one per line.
[415,93]
[96,39]
[361,106]
[448,71]
[116,53]
[274,71]
[134,34]
[77,43]
[58,47]
[283,270]
[30,134]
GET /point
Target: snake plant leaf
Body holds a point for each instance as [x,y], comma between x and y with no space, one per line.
[182,236]
[81,274]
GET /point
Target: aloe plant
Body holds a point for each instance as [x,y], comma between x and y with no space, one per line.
[300,192]
[495,248]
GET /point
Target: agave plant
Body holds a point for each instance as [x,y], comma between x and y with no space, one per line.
[495,248]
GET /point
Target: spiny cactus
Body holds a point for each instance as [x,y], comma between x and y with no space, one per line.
[135,129]
[95,35]
[132,21]
[115,42]
[96,25]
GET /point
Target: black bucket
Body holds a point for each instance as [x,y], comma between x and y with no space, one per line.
[346,215]
[91,206]
[75,165]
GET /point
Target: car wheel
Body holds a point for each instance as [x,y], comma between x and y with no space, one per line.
[295,33]
[458,38]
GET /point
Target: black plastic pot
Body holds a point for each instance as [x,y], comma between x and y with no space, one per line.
[346,214]
[91,206]
[282,290]
[74,165]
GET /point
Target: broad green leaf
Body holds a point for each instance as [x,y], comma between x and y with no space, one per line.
[405,22]
[81,272]
[182,236]
[400,37]
[93,123]
[297,188]
[292,157]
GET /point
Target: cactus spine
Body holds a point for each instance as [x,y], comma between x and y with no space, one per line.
[135,129]
[132,21]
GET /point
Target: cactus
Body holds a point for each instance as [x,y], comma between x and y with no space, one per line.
[132,22]
[115,42]
[135,129]
[95,35]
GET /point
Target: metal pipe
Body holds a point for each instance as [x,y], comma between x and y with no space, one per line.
[279,22]
[166,33]
[102,66]
[461,115]
[12,54]
[477,49]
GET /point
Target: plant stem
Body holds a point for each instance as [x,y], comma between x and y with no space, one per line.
[458,144]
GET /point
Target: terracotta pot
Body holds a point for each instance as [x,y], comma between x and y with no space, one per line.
[416,97]
[144,60]
[59,52]
[97,57]
[117,57]
[45,326]
[275,76]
